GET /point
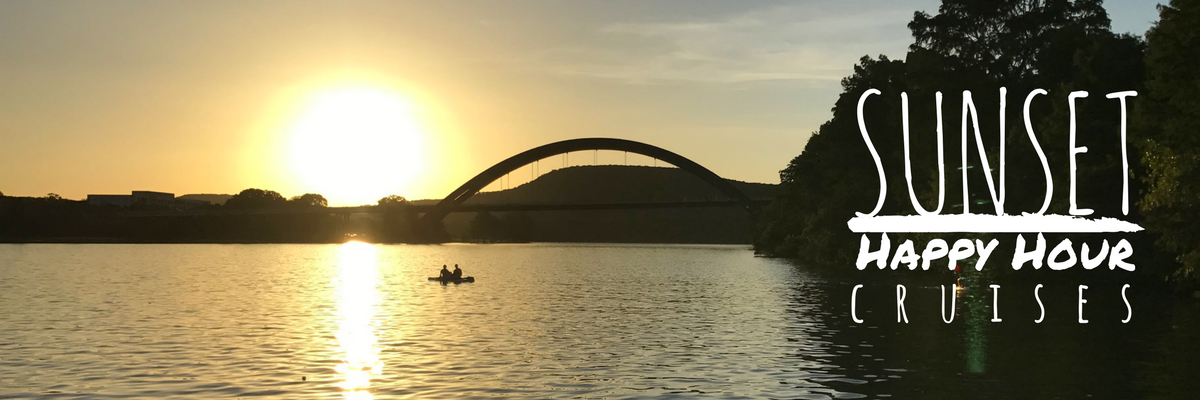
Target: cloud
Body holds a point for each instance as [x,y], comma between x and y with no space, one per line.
[802,42]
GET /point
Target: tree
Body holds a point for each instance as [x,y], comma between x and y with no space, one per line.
[1003,38]
[1169,116]
[53,196]
[971,45]
[256,198]
[393,200]
[1022,45]
[518,226]
[486,227]
[309,200]
[822,187]
[398,224]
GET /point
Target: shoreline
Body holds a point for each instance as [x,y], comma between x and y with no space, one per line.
[126,241]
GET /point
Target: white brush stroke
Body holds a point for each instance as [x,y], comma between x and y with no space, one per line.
[983,223]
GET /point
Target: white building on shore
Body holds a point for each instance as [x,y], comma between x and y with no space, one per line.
[145,197]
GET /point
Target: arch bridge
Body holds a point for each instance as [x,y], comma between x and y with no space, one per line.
[454,201]
[433,214]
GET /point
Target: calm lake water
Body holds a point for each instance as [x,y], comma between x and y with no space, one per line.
[552,321]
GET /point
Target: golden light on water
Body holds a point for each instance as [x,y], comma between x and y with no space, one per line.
[355,145]
[357,302]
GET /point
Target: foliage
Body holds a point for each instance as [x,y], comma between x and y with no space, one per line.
[393,200]
[398,224]
[518,226]
[1021,45]
[44,219]
[822,187]
[1169,115]
[41,219]
[509,227]
[1005,39]
[32,219]
[309,200]
[256,198]
[486,227]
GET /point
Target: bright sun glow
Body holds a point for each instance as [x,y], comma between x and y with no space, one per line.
[357,145]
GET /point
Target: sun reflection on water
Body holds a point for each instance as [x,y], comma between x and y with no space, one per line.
[357,299]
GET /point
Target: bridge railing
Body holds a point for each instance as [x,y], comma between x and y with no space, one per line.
[422,209]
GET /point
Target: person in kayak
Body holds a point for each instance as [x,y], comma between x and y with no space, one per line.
[457,274]
[445,272]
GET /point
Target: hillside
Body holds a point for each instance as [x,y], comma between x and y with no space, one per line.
[611,184]
[616,184]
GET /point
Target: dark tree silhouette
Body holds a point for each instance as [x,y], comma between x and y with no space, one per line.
[393,200]
[309,200]
[822,187]
[486,227]
[1057,45]
[398,223]
[518,226]
[1169,116]
[256,198]
[1003,38]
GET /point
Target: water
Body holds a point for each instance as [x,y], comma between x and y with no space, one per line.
[548,321]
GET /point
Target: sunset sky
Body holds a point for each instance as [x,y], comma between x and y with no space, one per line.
[219,96]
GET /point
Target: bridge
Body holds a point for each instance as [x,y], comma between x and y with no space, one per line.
[422,209]
[454,202]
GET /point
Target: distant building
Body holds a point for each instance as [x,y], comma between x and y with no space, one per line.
[184,204]
[147,198]
[218,199]
[122,200]
[153,198]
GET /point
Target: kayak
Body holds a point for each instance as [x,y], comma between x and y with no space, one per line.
[467,279]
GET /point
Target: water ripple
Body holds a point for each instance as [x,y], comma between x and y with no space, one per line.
[542,321]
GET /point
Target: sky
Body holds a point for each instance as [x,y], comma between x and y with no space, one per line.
[220,96]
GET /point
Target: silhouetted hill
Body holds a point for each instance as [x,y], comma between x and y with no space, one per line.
[616,184]
[612,184]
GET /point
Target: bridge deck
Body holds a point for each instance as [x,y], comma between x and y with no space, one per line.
[421,209]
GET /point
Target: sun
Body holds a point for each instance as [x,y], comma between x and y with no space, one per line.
[356,145]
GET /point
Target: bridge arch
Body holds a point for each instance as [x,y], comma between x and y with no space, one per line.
[479,182]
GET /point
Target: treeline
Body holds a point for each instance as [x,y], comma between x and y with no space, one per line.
[52,217]
[1056,46]
[55,219]
[264,216]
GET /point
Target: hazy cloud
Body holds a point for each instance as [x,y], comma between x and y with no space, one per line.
[790,42]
